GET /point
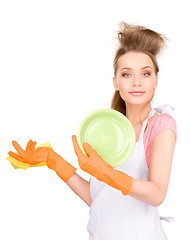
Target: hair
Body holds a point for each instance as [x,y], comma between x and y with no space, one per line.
[137,39]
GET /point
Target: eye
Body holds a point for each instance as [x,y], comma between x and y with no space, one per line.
[146,74]
[126,75]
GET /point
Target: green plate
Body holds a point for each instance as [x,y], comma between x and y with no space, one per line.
[108,132]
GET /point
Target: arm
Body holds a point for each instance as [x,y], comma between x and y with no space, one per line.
[154,190]
[55,162]
[80,187]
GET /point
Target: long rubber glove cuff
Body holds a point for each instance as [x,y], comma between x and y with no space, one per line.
[118,180]
[63,169]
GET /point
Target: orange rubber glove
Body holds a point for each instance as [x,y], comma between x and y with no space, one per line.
[53,160]
[97,167]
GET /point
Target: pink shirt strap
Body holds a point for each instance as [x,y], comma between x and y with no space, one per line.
[161,122]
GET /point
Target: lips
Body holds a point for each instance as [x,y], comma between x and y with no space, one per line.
[137,93]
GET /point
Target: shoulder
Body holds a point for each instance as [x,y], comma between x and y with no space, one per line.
[162,122]
[162,117]
[157,124]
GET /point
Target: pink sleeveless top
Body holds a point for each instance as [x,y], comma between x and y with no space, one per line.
[161,122]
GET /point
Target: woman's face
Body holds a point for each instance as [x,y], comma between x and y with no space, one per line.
[135,78]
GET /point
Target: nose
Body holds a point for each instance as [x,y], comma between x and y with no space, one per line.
[136,81]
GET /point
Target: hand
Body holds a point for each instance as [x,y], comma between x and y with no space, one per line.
[34,156]
[31,155]
[93,163]
[97,167]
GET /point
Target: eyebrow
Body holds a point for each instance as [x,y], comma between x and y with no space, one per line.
[131,68]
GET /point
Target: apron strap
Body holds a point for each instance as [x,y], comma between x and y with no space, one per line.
[152,112]
[160,109]
[167,219]
[165,108]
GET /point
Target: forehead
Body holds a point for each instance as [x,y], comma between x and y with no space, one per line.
[135,60]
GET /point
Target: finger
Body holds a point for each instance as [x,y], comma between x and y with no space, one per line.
[18,148]
[14,155]
[33,144]
[17,157]
[77,149]
[88,149]
[29,144]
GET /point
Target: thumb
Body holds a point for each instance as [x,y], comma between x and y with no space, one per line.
[77,149]
[34,144]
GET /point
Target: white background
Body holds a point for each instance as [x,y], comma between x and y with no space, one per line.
[55,66]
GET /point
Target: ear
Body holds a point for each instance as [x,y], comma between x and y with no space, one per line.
[115,84]
[156,83]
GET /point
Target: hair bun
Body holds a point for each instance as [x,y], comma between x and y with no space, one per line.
[140,38]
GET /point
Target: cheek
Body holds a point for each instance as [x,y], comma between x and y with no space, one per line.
[150,85]
[123,84]
[124,88]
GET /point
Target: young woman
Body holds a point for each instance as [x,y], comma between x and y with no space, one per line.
[123,200]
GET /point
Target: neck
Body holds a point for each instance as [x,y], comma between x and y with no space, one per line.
[137,113]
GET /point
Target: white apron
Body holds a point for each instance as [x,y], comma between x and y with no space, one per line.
[114,216]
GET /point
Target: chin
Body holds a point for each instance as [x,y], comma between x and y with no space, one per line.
[137,102]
